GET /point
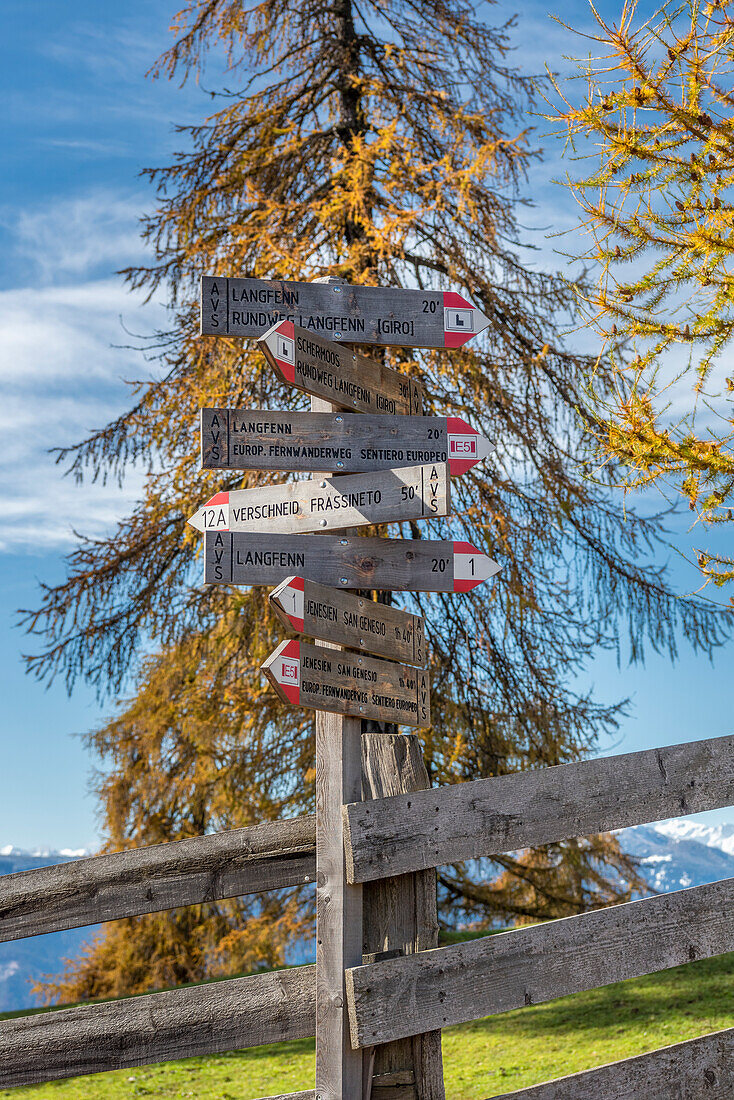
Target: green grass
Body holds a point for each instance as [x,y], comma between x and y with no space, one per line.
[481,1059]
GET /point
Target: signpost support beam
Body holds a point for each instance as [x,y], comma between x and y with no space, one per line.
[338,904]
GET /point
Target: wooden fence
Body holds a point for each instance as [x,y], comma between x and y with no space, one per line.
[421,991]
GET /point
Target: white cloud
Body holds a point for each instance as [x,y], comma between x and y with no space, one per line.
[7,970]
[61,377]
[98,231]
[68,334]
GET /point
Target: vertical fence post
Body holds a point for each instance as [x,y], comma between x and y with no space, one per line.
[400,915]
[338,905]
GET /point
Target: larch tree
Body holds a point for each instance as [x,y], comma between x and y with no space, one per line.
[655,120]
[384,142]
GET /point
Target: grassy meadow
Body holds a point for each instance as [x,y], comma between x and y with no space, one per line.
[481,1059]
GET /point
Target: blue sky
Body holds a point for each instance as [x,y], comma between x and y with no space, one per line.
[79,123]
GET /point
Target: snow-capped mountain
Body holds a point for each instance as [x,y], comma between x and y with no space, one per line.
[22,859]
[671,860]
[24,961]
[713,836]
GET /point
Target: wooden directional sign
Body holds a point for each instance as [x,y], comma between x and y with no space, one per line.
[398,565]
[347,683]
[329,615]
[323,503]
[360,314]
[325,369]
[239,439]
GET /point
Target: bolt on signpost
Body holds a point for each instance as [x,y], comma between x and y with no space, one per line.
[375,459]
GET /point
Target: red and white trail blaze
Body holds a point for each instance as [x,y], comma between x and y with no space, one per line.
[294,611]
[286,669]
[471,567]
[465,446]
[461,320]
[283,347]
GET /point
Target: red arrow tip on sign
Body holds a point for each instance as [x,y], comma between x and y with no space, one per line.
[465,445]
[279,345]
[471,567]
[284,668]
[289,598]
[216,520]
[218,498]
[461,320]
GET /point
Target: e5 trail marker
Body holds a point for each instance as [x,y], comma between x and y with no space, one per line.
[341,561]
[325,613]
[344,312]
[323,368]
[346,443]
[347,683]
[323,503]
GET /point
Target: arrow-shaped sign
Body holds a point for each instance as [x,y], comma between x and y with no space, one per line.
[323,368]
[352,314]
[342,618]
[241,439]
[347,683]
[398,565]
[323,503]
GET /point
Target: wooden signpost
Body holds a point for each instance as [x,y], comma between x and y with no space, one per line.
[417,565]
[325,613]
[356,314]
[243,439]
[324,503]
[348,683]
[323,368]
[386,463]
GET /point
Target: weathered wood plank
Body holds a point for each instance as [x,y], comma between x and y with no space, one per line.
[339,1068]
[339,906]
[324,503]
[163,876]
[339,377]
[489,816]
[348,313]
[346,443]
[400,914]
[346,683]
[699,1069]
[415,565]
[451,985]
[310,1094]
[159,1027]
[331,615]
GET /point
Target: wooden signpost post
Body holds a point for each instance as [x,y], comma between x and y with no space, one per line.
[356,314]
[324,503]
[323,368]
[347,443]
[347,683]
[386,463]
[344,561]
[324,613]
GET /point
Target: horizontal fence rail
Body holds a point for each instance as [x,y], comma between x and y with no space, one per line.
[452,985]
[699,1069]
[309,1095]
[159,1027]
[411,832]
[147,880]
